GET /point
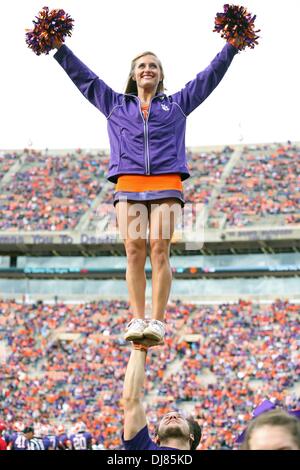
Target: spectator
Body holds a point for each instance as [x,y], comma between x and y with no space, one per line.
[273,430]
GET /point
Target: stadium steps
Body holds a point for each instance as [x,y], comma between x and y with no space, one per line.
[206,376]
[5,351]
[85,219]
[234,159]
[12,171]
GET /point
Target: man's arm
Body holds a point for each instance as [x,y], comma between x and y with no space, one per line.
[134,413]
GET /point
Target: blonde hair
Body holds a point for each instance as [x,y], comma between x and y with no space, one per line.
[131,84]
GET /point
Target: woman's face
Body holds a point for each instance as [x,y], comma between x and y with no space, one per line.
[272,438]
[147,73]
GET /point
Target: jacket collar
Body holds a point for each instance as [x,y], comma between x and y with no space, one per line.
[161,96]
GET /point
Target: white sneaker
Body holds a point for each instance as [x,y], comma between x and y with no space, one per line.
[135,329]
[155,330]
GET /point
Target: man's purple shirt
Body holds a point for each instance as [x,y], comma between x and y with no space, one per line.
[142,441]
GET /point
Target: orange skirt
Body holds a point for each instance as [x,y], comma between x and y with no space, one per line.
[140,183]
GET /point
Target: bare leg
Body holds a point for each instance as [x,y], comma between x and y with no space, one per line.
[163,219]
[161,277]
[133,221]
[136,252]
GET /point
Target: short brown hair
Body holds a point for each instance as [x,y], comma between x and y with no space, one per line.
[195,429]
[131,84]
[274,418]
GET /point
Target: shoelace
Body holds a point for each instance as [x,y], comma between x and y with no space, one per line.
[158,324]
[135,320]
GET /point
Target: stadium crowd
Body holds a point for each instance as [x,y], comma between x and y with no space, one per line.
[51,192]
[218,362]
[206,169]
[7,160]
[262,188]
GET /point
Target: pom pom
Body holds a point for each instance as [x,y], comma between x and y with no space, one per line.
[49,31]
[236,25]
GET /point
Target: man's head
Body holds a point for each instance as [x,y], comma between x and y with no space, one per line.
[175,425]
[18,426]
[80,427]
[61,429]
[28,432]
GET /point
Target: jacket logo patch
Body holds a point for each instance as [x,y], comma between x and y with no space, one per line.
[165,107]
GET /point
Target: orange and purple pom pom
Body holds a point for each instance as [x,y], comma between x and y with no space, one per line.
[50,29]
[236,25]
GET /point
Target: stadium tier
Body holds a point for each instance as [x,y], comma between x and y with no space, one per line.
[58,202]
[263,188]
[233,319]
[66,363]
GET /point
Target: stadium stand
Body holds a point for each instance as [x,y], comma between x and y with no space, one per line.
[51,192]
[7,160]
[241,186]
[66,363]
[263,188]
[63,361]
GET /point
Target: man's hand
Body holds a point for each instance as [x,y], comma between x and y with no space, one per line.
[148,342]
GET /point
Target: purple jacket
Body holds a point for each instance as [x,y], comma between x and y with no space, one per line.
[156,145]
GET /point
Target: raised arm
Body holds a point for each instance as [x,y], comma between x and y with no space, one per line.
[197,90]
[134,413]
[89,84]
[50,29]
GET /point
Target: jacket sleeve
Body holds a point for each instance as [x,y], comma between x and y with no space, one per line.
[197,90]
[88,83]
